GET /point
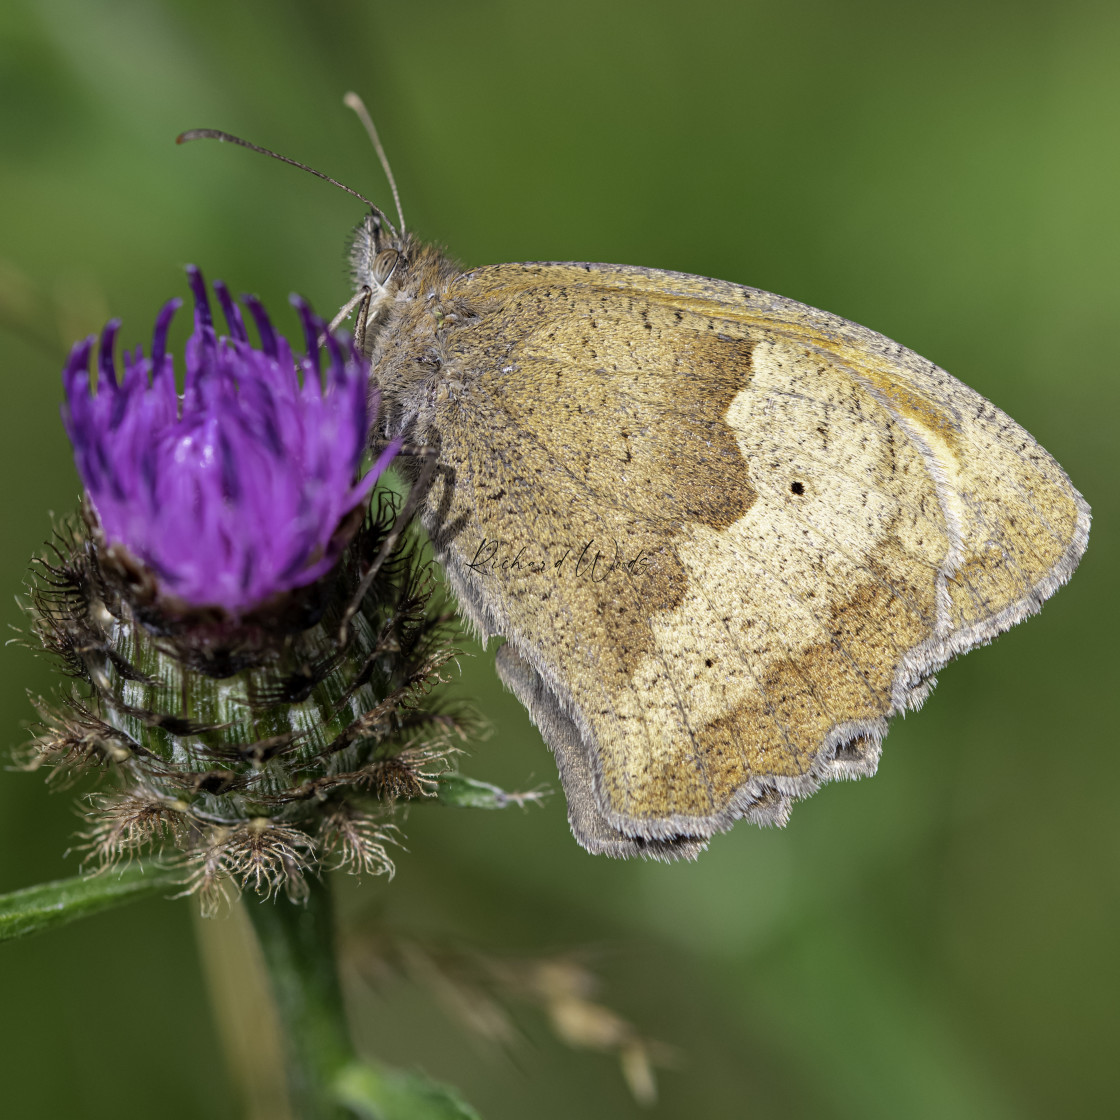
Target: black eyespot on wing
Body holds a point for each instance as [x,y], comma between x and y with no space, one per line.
[797,488]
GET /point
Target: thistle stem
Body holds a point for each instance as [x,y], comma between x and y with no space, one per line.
[299,953]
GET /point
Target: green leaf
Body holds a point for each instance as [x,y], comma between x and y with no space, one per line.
[469,793]
[380,1093]
[54,904]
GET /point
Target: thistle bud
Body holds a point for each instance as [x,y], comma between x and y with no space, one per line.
[251,648]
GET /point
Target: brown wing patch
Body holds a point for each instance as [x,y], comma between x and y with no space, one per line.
[602,388]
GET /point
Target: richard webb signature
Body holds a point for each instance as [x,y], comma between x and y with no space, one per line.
[587,561]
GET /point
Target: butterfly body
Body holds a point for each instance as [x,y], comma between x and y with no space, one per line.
[724,535]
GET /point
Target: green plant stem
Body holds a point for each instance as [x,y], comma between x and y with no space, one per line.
[297,942]
[326,1080]
[377,1093]
[41,907]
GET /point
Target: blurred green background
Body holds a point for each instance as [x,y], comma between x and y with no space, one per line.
[938,941]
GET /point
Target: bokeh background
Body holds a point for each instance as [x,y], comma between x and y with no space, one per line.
[938,941]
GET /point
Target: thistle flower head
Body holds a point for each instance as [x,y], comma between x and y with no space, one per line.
[237,489]
[251,649]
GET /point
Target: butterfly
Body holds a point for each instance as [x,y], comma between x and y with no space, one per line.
[725,537]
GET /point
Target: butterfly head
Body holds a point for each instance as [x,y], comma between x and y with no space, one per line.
[379,262]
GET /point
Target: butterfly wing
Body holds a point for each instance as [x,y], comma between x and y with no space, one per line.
[726,536]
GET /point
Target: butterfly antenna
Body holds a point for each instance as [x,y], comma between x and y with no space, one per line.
[229,138]
[353,101]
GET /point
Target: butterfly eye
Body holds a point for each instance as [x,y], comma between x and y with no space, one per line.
[383,266]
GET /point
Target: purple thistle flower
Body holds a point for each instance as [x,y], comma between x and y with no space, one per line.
[235,490]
